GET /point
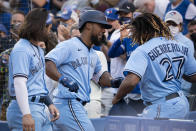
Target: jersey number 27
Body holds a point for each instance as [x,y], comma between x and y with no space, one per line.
[169,75]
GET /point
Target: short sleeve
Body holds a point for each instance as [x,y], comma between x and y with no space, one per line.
[137,64]
[59,54]
[190,65]
[20,63]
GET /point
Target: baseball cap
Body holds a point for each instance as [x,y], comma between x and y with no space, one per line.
[111,14]
[65,14]
[49,19]
[174,16]
[127,7]
[3,29]
[94,16]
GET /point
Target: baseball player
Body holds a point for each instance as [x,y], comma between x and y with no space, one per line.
[27,86]
[73,63]
[159,63]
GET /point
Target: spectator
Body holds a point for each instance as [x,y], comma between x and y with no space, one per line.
[113,34]
[157,7]
[192,32]
[5,17]
[67,19]
[185,8]
[3,31]
[126,12]
[112,18]
[133,100]
[16,20]
[4,97]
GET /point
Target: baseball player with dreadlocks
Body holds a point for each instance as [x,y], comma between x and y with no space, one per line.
[73,63]
[159,63]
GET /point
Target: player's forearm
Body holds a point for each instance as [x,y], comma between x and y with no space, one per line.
[190,78]
[128,84]
[22,94]
[51,71]
[105,80]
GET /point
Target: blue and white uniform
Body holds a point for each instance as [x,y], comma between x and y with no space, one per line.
[74,60]
[27,60]
[186,9]
[119,48]
[160,63]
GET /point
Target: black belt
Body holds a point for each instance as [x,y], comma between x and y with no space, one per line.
[41,99]
[168,97]
[82,102]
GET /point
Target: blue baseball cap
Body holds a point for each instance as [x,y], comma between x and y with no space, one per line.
[111,13]
[3,29]
[49,19]
[65,14]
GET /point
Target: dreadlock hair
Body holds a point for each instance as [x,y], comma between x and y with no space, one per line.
[147,26]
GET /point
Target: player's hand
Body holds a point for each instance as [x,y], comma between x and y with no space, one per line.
[54,111]
[28,123]
[67,82]
[116,82]
[63,32]
[124,32]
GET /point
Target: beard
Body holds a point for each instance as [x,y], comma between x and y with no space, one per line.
[95,40]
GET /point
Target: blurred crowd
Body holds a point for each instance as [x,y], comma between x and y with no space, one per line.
[62,23]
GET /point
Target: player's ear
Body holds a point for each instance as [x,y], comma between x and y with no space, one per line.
[89,26]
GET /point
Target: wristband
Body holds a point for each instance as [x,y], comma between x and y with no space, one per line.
[48,101]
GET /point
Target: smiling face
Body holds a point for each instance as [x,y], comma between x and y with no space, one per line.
[97,31]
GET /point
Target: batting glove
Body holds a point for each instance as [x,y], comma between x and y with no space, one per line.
[70,84]
[116,82]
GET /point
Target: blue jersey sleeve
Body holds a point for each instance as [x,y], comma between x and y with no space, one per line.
[190,65]
[116,49]
[59,54]
[20,63]
[137,64]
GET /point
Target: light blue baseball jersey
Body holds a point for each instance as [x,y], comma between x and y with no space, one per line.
[74,60]
[186,86]
[182,38]
[160,63]
[27,60]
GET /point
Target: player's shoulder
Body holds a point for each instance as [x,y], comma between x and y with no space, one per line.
[182,38]
[72,42]
[22,45]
